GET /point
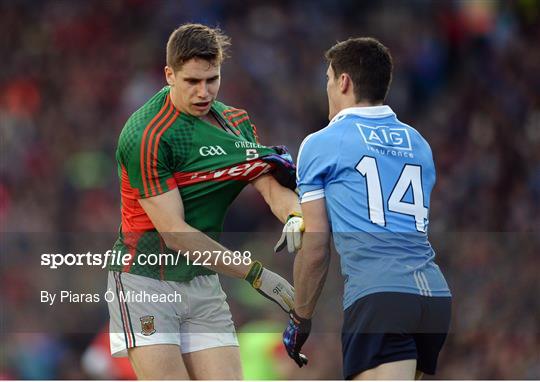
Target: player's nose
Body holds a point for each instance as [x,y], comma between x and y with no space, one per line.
[202,90]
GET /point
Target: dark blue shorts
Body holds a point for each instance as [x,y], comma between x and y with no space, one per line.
[389,326]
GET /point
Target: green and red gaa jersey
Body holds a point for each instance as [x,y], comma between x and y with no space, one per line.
[161,148]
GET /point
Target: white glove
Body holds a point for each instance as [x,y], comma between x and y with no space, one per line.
[272,286]
[292,234]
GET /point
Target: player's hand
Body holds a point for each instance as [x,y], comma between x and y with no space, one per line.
[271,285]
[292,234]
[294,337]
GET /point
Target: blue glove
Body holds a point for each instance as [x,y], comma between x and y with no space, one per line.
[294,337]
[283,167]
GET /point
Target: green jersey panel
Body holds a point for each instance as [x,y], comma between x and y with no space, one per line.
[161,149]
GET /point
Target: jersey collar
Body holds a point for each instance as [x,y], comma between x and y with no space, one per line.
[366,112]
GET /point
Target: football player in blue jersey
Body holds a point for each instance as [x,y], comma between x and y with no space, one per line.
[371,191]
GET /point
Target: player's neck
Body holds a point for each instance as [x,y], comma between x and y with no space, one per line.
[358,104]
[366,104]
[349,100]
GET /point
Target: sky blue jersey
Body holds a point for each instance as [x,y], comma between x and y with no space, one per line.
[376,174]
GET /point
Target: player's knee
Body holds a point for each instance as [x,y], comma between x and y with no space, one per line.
[150,372]
[161,375]
[157,362]
[214,363]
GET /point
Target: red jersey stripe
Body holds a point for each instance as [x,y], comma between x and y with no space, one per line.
[155,152]
[255,133]
[149,158]
[158,115]
[246,171]
[236,123]
[231,116]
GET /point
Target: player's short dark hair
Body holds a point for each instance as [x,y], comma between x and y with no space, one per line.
[196,41]
[367,62]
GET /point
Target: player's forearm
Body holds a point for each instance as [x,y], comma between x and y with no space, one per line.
[310,270]
[189,240]
[282,202]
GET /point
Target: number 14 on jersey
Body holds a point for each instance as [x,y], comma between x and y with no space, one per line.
[411,176]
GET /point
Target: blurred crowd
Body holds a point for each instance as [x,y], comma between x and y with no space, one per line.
[466,76]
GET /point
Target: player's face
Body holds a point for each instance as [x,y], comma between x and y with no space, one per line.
[332,90]
[195,86]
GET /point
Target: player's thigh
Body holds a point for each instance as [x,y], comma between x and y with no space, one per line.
[374,334]
[136,323]
[158,362]
[208,339]
[432,332]
[399,370]
[214,363]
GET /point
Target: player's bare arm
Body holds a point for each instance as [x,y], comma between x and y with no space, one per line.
[310,270]
[285,206]
[312,261]
[281,200]
[166,211]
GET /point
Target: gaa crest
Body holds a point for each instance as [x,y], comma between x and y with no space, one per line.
[147,325]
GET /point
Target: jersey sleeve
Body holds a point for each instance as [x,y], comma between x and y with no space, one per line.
[146,158]
[315,164]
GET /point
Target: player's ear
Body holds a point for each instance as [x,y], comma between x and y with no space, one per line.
[169,75]
[344,82]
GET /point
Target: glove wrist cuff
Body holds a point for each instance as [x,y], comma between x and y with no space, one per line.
[254,274]
[294,214]
[299,320]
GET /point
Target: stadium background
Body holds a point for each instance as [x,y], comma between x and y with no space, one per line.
[466,76]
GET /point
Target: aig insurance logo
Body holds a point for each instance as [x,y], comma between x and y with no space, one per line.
[211,150]
[396,138]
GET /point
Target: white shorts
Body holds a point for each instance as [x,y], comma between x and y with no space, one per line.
[144,311]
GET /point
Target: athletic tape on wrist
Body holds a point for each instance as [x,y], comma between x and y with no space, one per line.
[294,214]
[254,274]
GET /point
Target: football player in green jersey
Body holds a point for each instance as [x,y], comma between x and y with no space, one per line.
[183,157]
